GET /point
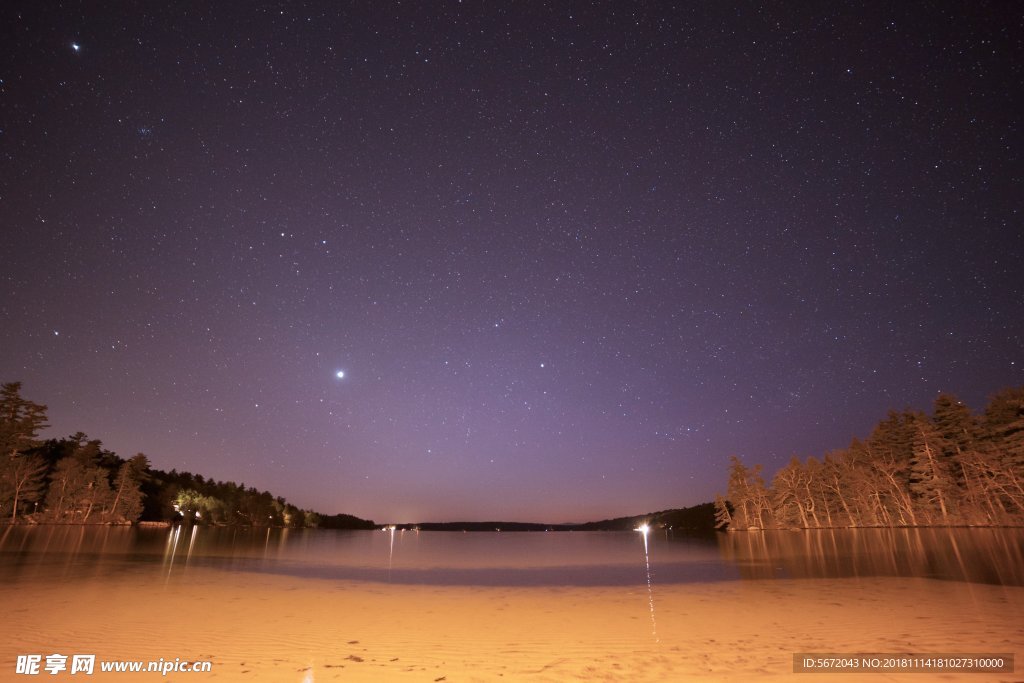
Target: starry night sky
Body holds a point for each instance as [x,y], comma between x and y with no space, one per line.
[570,257]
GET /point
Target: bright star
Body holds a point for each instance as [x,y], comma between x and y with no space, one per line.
[76,47]
[340,374]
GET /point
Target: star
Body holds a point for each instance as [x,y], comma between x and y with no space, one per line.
[538,236]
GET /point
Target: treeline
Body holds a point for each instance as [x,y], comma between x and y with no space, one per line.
[696,518]
[194,499]
[950,468]
[76,481]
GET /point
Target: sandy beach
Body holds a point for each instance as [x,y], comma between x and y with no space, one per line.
[278,628]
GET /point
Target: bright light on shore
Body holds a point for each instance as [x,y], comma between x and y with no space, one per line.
[643,528]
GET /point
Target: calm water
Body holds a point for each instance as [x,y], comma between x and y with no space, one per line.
[993,556]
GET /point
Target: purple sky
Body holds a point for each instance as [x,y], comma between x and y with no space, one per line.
[569,257]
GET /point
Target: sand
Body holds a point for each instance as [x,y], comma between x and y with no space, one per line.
[256,627]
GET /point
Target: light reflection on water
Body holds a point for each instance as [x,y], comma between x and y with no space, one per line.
[646,531]
[993,556]
[398,556]
[659,557]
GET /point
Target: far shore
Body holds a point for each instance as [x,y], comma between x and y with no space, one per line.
[497,526]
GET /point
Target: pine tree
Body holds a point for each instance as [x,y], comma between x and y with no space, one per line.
[891,447]
[1003,433]
[955,423]
[1004,425]
[20,420]
[931,474]
[22,476]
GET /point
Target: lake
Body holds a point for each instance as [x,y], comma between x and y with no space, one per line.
[318,605]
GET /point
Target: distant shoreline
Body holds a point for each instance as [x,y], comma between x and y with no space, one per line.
[507,527]
[699,518]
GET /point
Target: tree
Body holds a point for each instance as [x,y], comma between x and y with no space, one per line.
[834,478]
[788,493]
[74,476]
[78,484]
[890,452]
[293,516]
[868,486]
[817,495]
[723,518]
[893,437]
[1002,447]
[931,478]
[955,422]
[22,479]
[127,504]
[748,495]
[20,420]
[1004,429]
[194,507]
[952,468]
[986,500]
[1004,413]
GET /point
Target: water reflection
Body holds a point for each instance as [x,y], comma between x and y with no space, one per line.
[391,549]
[437,558]
[645,531]
[171,550]
[513,559]
[993,556]
[51,552]
[172,547]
